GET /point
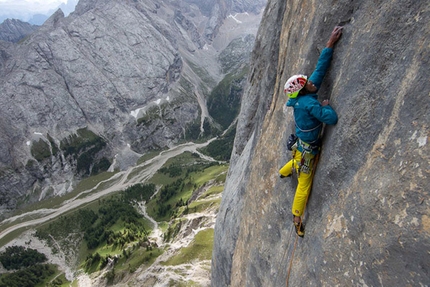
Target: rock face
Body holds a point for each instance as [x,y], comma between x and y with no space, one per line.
[12,30]
[113,75]
[367,219]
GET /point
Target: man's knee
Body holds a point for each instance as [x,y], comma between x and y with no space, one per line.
[286,170]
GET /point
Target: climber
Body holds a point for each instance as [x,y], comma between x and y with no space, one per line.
[309,116]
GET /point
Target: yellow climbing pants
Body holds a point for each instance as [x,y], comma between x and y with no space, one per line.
[304,184]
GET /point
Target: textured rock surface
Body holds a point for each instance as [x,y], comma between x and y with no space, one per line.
[12,30]
[136,73]
[367,218]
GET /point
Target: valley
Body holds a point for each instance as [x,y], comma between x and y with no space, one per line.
[21,229]
[122,100]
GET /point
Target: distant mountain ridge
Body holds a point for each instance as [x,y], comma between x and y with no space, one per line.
[33,17]
[12,30]
[111,81]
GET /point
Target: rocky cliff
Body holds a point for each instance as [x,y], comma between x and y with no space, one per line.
[367,219]
[114,79]
[12,30]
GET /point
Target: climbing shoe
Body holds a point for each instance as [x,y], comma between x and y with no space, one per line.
[283,176]
[300,228]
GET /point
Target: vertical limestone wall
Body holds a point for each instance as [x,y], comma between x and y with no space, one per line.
[368,217]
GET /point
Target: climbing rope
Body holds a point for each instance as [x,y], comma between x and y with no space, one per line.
[291,260]
[283,256]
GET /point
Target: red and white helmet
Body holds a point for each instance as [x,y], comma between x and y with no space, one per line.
[294,85]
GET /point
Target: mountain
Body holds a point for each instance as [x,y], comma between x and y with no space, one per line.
[38,19]
[68,7]
[35,13]
[156,232]
[113,80]
[367,219]
[12,30]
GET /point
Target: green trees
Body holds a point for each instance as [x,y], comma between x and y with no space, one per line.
[85,146]
[221,148]
[17,257]
[224,100]
[139,192]
[172,170]
[28,277]
[115,209]
[28,263]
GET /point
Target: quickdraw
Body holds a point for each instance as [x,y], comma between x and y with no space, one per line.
[306,164]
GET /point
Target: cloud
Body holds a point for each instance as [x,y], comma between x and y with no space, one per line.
[25,9]
[24,6]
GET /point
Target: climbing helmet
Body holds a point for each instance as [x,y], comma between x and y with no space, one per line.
[294,85]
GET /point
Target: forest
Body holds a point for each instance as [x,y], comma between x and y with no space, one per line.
[27,266]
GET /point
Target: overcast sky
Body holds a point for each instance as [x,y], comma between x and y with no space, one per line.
[25,9]
[40,6]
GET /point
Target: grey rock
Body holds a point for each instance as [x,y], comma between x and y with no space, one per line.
[235,54]
[127,71]
[253,109]
[253,6]
[13,30]
[367,219]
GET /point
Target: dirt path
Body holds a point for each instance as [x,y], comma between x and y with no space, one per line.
[157,233]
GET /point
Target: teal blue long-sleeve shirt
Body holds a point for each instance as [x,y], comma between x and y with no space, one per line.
[309,114]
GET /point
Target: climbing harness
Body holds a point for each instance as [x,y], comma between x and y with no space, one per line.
[292,139]
[308,156]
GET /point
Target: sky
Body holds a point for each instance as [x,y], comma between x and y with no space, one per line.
[25,9]
[41,6]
